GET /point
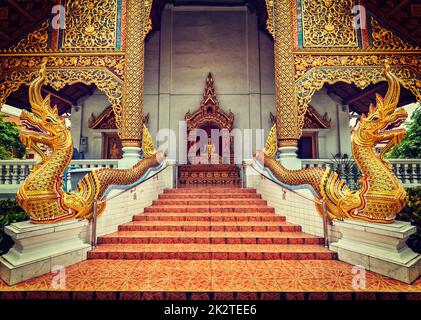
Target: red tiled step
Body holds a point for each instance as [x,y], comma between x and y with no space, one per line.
[210,223]
[213,237]
[211,251]
[209,208]
[208,217]
[210,196]
[211,202]
[255,226]
[210,190]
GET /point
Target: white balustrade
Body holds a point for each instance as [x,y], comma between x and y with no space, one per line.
[408,171]
[14,172]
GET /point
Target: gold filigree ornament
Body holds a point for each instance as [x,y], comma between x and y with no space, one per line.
[66,70]
[90,24]
[36,41]
[361,70]
[271,146]
[138,25]
[148,146]
[328,24]
[384,39]
[270,20]
[285,98]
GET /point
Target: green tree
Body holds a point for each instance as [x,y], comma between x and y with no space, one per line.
[410,147]
[10,145]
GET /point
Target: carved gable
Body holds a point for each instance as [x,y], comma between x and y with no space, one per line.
[209,112]
[106,120]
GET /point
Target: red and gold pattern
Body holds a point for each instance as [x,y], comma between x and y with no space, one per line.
[40,195]
[381,196]
[212,254]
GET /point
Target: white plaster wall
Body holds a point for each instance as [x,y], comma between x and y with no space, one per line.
[193,41]
[329,141]
[96,103]
[296,209]
[121,209]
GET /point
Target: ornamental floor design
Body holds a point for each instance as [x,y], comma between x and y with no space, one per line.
[326,276]
[207,252]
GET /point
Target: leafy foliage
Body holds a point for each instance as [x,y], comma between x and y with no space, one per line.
[410,147]
[10,145]
[10,212]
[412,213]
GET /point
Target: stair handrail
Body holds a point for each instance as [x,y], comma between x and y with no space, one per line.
[104,199]
[322,203]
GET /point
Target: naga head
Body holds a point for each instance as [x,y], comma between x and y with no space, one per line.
[42,124]
[380,124]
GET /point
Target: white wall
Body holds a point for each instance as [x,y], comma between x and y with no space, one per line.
[296,209]
[121,209]
[227,42]
[96,103]
[196,40]
[329,141]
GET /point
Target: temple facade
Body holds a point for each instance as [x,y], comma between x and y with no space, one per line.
[234,130]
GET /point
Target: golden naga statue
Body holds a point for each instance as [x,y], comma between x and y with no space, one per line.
[381,195]
[41,194]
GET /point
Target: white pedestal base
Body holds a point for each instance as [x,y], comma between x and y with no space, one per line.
[288,158]
[131,156]
[40,248]
[379,248]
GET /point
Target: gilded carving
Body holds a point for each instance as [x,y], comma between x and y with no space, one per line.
[41,194]
[36,41]
[285,99]
[270,19]
[271,146]
[148,146]
[90,24]
[313,71]
[138,25]
[209,110]
[384,39]
[328,23]
[362,77]
[381,195]
[62,71]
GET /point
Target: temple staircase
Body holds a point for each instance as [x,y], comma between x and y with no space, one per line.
[211,223]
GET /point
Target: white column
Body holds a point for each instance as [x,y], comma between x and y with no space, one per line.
[288,157]
[76,125]
[131,156]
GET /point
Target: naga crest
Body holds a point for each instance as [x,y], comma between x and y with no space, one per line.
[381,120]
[42,124]
[41,194]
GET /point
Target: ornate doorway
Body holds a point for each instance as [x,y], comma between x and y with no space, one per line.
[213,162]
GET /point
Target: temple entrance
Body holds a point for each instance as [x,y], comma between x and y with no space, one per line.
[210,147]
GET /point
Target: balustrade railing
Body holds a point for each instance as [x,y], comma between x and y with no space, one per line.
[14,172]
[408,171]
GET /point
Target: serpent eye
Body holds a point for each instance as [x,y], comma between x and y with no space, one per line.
[375,118]
[48,120]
